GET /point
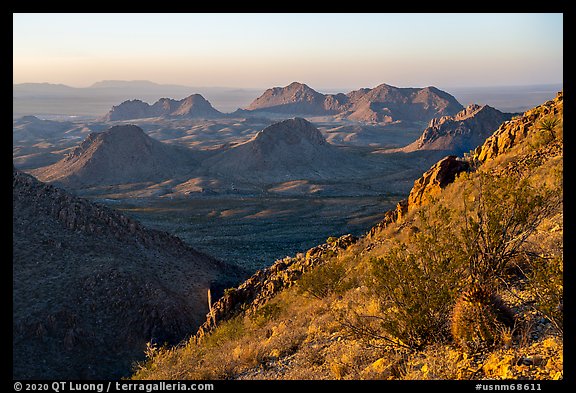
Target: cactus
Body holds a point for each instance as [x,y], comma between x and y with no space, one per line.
[480,319]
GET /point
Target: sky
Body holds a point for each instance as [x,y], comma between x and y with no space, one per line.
[325,51]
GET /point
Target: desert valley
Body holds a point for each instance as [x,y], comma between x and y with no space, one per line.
[240,185]
[202,199]
[194,201]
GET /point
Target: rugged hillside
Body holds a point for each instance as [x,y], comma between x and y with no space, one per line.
[122,154]
[382,104]
[460,133]
[194,106]
[288,150]
[91,286]
[467,287]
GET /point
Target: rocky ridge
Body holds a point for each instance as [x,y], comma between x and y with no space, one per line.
[513,131]
[265,283]
[382,104]
[91,287]
[460,133]
[509,134]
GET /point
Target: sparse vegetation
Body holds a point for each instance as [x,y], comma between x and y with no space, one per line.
[468,286]
[324,280]
[545,279]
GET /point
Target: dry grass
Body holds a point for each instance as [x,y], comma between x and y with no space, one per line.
[399,278]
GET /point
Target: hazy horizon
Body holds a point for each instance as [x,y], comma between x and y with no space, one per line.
[324,51]
[338,89]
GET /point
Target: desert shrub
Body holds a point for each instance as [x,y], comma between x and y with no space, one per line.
[549,124]
[226,331]
[331,239]
[480,319]
[500,213]
[545,280]
[324,280]
[548,129]
[416,284]
[266,313]
[415,297]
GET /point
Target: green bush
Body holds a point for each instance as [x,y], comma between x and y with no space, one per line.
[545,279]
[500,213]
[225,332]
[548,129]
[416,296]
[324,280]
[331,239]
[268,312]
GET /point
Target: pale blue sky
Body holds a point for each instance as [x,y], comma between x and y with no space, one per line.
[262,50]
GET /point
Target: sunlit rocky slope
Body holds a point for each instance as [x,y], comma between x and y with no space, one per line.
[463,280]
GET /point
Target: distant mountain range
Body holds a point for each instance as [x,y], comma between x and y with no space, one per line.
[382,104]
[95,100]
[194,106]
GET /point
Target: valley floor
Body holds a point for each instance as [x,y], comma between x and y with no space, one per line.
[255,231]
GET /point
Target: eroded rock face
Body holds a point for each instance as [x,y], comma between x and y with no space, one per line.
[460,133]
[266,283]
[434,180]
[512,132]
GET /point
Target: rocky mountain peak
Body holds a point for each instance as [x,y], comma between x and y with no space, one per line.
[123,153]
[461,132]
[291,131]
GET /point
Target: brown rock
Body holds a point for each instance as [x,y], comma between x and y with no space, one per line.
[510,133]
[434,180]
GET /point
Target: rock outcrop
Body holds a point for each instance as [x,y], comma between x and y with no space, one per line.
[194,106]
[434,180]
[512,132]
[91,286]
[266,283]
[460,133]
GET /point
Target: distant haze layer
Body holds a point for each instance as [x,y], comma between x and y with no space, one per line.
[52,101]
